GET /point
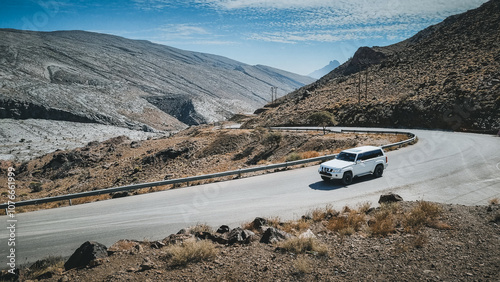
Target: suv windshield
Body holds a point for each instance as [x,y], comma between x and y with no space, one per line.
[348,157]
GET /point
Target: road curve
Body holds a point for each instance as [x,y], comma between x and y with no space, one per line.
[446,167]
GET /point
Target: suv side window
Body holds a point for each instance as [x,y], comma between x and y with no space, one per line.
[370,155]
[362,156]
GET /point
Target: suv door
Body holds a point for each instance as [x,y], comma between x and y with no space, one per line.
[370,159]
[360,167]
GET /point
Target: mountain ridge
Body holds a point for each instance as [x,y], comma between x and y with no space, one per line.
[445,77]
[112,80]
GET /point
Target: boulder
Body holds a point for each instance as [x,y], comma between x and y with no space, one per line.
[389,198]
[258,222]
[273,235]
[223,229]
[307,234]
[175,239]
[211,237]
[85,254]
[239,235]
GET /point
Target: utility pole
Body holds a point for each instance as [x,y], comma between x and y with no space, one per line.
[359,87]
[366,85]
[274,93]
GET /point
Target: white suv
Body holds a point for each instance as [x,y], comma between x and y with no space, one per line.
[353,163]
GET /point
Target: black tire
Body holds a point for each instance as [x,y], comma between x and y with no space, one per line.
[325,178]
[347,178]
[379,170]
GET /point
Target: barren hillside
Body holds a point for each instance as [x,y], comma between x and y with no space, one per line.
[90,77]
[446,76]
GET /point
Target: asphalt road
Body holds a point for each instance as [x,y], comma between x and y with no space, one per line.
[444,167]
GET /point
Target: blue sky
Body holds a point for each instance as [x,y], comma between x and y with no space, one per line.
[295,35]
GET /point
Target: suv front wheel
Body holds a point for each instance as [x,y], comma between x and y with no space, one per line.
[347,178]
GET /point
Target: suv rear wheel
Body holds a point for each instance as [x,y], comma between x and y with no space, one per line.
[379,170]
[347,178]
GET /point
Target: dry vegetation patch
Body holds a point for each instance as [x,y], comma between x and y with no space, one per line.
[191,251]
[468,251]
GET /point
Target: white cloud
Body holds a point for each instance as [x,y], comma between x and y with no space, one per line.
[183,30]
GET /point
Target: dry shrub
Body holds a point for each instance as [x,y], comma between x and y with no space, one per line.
[200,228]
[293,157]
[383,223]
[299,245]
[44,267]
[347,231]
[249,226]
[294,226]
[353,220]
[424,214]
[274,222]
[302,265]
[365,207]
[494,201]
[191,251]
[319,215]
[337,223]
[309,154]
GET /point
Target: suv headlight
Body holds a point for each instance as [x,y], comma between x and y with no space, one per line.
[336,170]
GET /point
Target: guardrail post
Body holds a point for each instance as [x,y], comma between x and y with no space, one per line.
[239,172]
[70,203]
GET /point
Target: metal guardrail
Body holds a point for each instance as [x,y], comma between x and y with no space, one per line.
[201,177]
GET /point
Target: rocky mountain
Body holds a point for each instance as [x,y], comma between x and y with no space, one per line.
[89,77]
[325,70]
[447,76]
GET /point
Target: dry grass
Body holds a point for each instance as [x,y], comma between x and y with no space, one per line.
[318,215]
[200,228]
[90,199]
[299,245]
[383,224]
[296,226]
[347,224]
[309,154]
[364,207]
[302,265]
[191,252]
[44,267]
[494,201]
[423,214]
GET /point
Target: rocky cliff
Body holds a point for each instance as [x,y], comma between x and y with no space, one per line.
[90,77]
[446,76]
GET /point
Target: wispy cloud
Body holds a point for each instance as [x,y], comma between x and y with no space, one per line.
[292,21]
[183,30]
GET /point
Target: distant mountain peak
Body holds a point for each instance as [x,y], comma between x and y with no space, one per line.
[325,70]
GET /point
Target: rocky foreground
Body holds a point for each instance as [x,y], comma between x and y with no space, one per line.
[398,241]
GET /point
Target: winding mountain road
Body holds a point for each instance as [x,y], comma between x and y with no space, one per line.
[446,167]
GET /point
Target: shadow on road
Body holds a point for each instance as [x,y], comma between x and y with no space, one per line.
[326,186]
[336,184]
